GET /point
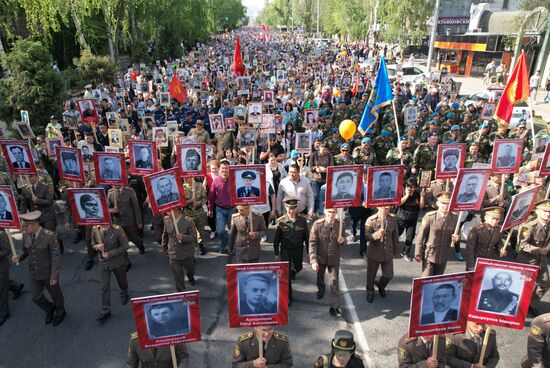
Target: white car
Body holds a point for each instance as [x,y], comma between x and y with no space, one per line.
[410,74]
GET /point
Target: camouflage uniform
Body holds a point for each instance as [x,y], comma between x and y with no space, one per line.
[452,136]
[485,147]
[340,160]
[364,157]
[381,147]
[425,157]
[526,136]
[471,159]
[334,144]
[196,211]
[45,178]
[392,158]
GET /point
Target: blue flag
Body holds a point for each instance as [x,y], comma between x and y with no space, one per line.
[380,96]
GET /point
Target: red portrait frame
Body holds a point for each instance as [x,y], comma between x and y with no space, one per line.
[154,157]
[78,154]
[494,158]
[73,193]
[509,221]
[416,327]
[439,173]
[192,174]
[454,205]
[355,200]
[160,209]
[273,271]
[94,118]
[386,202]
[27,149]
[528,274]
[544,168]
[13,223]
[191,301]
[123,172]
[235,199]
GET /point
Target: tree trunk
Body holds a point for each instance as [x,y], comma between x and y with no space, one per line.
[78,26]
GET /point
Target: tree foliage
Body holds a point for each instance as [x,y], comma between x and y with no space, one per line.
[33,84]
[95,69]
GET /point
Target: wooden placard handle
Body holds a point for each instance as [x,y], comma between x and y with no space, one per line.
[435,346]
[12,246]
[485,342]
[174,221]
[173,355]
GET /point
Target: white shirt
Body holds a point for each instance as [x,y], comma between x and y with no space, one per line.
[440,316]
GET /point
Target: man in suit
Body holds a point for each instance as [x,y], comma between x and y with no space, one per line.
[164,186]
[19,155]
[444,295]
[275,346]
[245,235]
[70,166]
[155,357]
[144,159]
[384,187]
[162,321]
[248,190]
[499,298]
[4,213]
[254,290]
[343,185]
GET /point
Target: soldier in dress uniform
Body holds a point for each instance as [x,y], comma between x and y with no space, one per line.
[42,248]
[155,357]
[435,236]
[245,234]
[417,352]
[343,353]
[538,343]
[6,284]
[464,349]
[533,249]
[111,243]
[437,187]
[290,237]
[181,247]
[484,240]
[381,230]
[324,252]
[276,350]
[126,211]
[195,197]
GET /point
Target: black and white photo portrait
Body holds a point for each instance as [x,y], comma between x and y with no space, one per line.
[440,302]
[385,185]
[18,156]
[500,291]
[191,159]
[165,189]
[469,188]
[5,208]
[110,168]
[143,157]
[451,158]
[344,184]
[167,319]
[247,183]
[506,156]
[257,293]
[70,165]
[540,144]
[89,205]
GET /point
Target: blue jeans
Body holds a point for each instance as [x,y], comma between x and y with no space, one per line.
[321,197]
[316,188]
[223,218]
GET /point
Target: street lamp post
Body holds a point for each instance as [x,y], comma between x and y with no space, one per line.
[432,37]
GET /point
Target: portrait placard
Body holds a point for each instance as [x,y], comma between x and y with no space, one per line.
[192,159]
[254,112]
[469,189]
[167,319]
[411,114]
[124,126]
[240,112]
[52,144]
[488,111]
[216,123]
[501,292]
[115,138]
[70,122]
[230,124]
[344,186]
[160,136]
[25,116]
[110,168]
[70,164]
[439,304]
[87,110]
[9,217]
[25,130]
[540,146]
[164,98]
[188,139]
[520,207]
[544,169]
[248,137]
[450,158]
[385,185]
[268,124]
[143,157]
[257,294]
[19,157]
[506,156]
[89,206]
[310,117]
[425,178]
[303,142]
[247,184]
[268,96]
[165,191]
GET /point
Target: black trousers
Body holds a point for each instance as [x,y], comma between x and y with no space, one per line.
[406,221]
[295,260]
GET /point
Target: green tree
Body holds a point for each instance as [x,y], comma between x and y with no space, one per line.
[95,69]
[404,21]
[33,84]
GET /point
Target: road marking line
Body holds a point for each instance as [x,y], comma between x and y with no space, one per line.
[358,333]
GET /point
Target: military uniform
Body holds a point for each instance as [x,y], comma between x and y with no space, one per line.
[6,285]
[334,144]
[392,158]
[324,250]
[414,351]
[424,157]
[464,350]
[364,157]
[380,251]
[535,236]
[115,246]
[538,343]
[471,159]
[155,357]
[436,187]
[504,302]
[128,215]
[434,241]
[247,250]
[276,351]
[485,147]
[340,160]
[343,345]
[181,254]
[195,210]
[44,204]
[484,241]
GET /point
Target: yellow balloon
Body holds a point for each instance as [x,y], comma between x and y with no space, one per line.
[336,93]
[347,129]
[344,53]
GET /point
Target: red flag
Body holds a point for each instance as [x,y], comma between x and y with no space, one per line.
[354,88]
[238,66]
[264,27]
[265,37]
[177,90]
[516,90]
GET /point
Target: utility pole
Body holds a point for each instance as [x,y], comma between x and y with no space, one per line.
[318,15]
[432,37]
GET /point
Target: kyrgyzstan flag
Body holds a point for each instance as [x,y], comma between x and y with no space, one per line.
[238,66]
[177,90]
[516,90]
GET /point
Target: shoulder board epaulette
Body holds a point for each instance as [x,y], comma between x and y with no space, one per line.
[116,226]
[49,232]
[246,336]
[431,213]
[281,218]
[280,336]
[320,221]
[373,217]
[134,335]
[391,214]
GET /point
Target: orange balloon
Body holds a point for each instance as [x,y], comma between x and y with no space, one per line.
[347,129]
[336,93]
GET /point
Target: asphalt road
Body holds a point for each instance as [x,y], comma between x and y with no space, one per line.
[25,341]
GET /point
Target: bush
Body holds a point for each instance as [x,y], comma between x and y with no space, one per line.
[94,68]
[33,85]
